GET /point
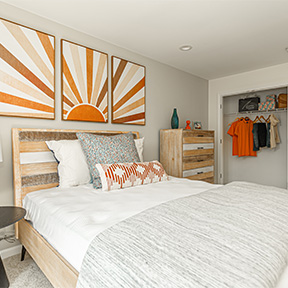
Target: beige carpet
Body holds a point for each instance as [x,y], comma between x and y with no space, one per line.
[25,273]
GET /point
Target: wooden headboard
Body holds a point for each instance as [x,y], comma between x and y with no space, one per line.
[34,166]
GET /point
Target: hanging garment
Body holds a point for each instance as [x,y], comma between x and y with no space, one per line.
[245,138]
[255,137]
[268,135]
[262,134]
[274,135]
[231,132]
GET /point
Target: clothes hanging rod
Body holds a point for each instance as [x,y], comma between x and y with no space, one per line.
[278,110]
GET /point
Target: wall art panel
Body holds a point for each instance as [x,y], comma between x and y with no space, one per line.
[128,92]
[27,69]
[84,83]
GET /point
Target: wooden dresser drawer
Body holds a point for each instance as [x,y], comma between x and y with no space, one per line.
[198,161]
[198,149]
[187,153]
[187,140]
[198,133]
[198,171]
[198,136]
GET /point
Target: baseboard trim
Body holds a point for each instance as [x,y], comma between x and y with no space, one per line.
[11,251]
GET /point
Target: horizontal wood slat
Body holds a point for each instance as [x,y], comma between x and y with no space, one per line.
[193,165]
[198,133]
[39,135]
[187,153]
[201,176]
[33,147]
[188,140]
[38,168]
[198,158]
[26,190]
[34,180]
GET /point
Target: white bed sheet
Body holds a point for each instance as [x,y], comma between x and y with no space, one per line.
[69,218]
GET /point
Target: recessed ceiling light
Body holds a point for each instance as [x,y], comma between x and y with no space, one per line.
[185,47]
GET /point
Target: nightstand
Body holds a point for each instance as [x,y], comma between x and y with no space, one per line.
[8,216]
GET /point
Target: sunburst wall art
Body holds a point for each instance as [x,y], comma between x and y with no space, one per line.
[128,92]
[84,83]
[26,72]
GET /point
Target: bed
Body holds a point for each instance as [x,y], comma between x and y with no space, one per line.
[35,169]
[41,177]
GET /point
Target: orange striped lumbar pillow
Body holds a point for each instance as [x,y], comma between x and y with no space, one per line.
[122,175]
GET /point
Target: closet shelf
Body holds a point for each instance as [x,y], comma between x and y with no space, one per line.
[277,110]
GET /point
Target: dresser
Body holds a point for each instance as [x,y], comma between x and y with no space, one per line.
[188,153]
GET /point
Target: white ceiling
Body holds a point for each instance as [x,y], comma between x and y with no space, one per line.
[228,36]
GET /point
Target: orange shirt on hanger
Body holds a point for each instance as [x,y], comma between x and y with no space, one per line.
[245,138]
[231,132]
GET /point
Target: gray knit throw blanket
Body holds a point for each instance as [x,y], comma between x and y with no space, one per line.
[232,236]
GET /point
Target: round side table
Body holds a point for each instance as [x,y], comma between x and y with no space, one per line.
[8,216]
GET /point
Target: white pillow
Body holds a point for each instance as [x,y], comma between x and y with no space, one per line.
[72,168]
[139,143]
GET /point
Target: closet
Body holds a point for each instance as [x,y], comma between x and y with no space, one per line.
[270,165]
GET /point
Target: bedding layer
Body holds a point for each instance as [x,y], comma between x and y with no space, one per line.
[70,218]
[232,236]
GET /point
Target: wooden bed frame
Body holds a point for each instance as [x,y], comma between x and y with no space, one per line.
[29,177]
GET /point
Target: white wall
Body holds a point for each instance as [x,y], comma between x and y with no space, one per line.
[274,76]
[166,88]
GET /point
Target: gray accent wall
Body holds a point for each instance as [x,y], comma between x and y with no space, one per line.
[166,88]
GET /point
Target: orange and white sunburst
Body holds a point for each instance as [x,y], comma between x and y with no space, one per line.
[84,83]
[128,92]
[27,65]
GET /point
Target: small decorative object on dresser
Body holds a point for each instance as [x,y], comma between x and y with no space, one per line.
[175,120]
[191,155]
[188,125]
[197,125]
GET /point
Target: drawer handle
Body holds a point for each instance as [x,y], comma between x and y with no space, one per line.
[200,160]
[200,147]
[200,172]
[200,135]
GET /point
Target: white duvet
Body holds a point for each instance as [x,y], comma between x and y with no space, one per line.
[70,218]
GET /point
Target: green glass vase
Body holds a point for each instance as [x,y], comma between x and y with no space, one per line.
[175,120]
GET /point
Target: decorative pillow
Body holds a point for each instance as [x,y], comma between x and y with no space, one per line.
[107,149]
[140,148]
[115,176]
[72,168]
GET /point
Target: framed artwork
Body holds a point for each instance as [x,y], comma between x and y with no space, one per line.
[128,92]
[84,83]
[27,72]
[197,125]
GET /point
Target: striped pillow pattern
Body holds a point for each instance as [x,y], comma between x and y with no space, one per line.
[107,149]
[116,176]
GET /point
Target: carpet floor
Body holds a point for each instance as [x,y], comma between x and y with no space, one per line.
[25,273]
